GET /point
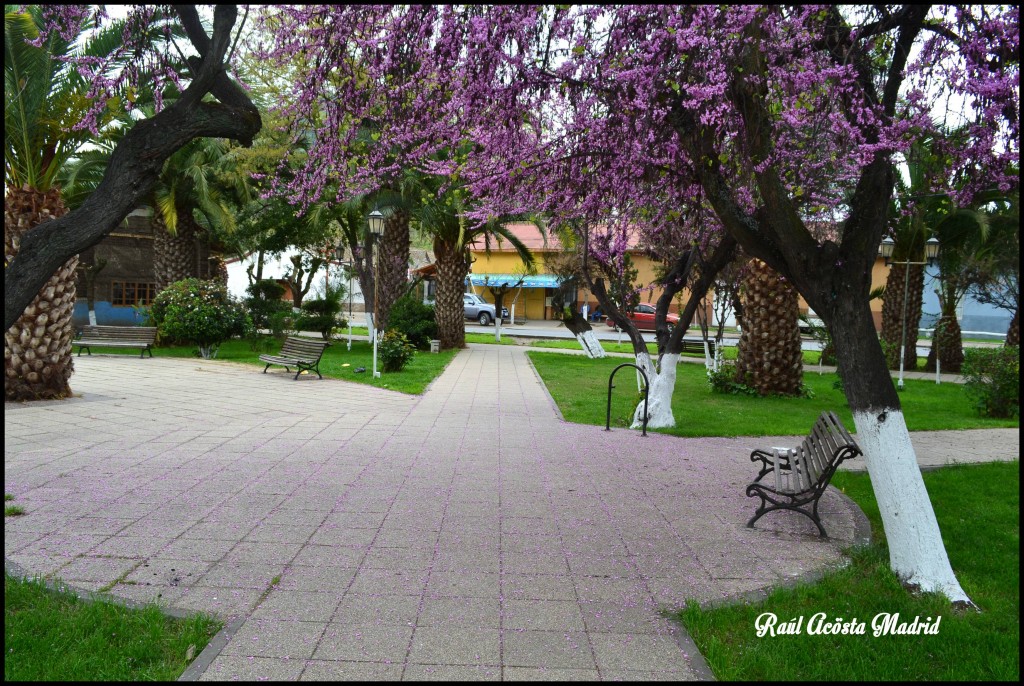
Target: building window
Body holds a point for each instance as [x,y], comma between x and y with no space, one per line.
[127,293]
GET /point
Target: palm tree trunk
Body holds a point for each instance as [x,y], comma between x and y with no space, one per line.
[37,348]
[769,358]
[219,270]
[947,345]
[174,256]
[448,309]
[902,279]
[393,266]
[1013,333]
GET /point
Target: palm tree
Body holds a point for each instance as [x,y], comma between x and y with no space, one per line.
[189,187]
[909,236]
[442,216]
[44,97]
[769,356]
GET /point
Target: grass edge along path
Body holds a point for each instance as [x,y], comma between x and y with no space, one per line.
[978,509]
[579,386]
[53,635]
[337,362]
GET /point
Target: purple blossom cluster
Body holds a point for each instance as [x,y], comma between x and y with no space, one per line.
[606,115]
[142,60]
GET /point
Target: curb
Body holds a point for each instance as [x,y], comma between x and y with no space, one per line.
[701,669]
[198,666]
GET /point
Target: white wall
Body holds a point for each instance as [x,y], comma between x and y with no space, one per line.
[275,268]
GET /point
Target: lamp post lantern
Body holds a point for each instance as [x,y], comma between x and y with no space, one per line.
[376,224]
[931,253]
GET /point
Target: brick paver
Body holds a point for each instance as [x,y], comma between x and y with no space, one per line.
[357,533]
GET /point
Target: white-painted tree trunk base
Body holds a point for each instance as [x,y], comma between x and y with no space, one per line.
[369,323]
[92,317]
[916,551]
[588,341]
[659,394]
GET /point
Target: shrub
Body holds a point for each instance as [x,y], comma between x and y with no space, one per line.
[264,301]
[282,324]
[199,312]
[992,378]
[320,314]
[415,319]
[724,381]
[395,350]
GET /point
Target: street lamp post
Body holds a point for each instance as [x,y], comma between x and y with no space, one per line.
[931,253]
[376,223]
[339,253]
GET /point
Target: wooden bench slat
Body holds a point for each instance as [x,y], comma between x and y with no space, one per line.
[840,429]
[811,459]
[816,452]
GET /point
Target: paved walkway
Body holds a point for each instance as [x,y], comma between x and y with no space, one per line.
[348,532]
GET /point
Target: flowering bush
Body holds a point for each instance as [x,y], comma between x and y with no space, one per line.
[395,350]
[200,312]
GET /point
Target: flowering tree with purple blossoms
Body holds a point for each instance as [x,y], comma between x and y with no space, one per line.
[191,61]
[780,118]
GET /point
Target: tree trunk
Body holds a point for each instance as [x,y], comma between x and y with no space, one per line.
[174,256]
[564,306]
[393,267]
[1013,333]
[769,358]
[91,271]
[452,268]
[37,348]
[916,551]
[947,344]
[896,285]
[219,270]
[661,385]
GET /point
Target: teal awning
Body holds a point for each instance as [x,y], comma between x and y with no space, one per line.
[497,280]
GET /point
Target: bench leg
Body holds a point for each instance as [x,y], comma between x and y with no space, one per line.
[266,368]
[308,369]
[764,509]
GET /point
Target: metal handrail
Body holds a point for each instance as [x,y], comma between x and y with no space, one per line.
[608,416]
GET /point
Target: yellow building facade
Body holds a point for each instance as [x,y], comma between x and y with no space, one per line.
[533,300]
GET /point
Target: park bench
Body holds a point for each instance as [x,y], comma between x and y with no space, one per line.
[302,353]
[801,474]
[117,337]
[696,345]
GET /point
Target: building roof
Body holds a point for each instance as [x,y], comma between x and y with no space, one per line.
[530,235]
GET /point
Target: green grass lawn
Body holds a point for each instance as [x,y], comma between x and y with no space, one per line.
[51,636]
[414,379]
[579,386]
[506,337]
[978,509]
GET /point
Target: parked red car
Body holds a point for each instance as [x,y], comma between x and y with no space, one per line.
[643,318]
